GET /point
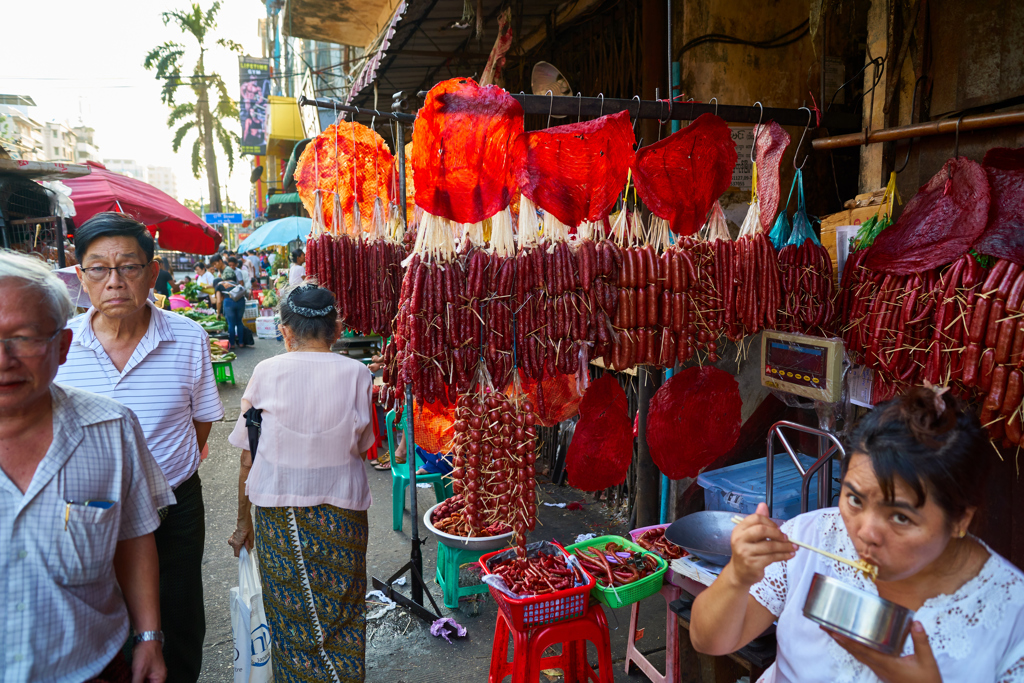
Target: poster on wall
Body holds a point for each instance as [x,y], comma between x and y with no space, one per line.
[253,109]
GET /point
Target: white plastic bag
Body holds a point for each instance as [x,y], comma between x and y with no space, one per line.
[249,625]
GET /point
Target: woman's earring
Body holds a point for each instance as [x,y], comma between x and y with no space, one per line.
[963,532]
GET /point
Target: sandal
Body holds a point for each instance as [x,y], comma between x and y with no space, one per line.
[383,463]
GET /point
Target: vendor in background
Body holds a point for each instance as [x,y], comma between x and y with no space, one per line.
[297,272]
[232,294]
[912,482]
[203,276]
[308,485]
[164,278]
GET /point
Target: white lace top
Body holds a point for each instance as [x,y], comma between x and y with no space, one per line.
[976,634]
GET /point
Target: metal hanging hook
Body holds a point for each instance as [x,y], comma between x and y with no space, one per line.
[810,117]
[757,130]
[715,100]
[579,111]
[551,105]
[601,95]
[668,113]
[910,143]
[637,117]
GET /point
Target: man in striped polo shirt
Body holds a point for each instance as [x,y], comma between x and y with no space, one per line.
[157,363]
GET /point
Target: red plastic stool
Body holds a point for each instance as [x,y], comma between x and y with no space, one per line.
[670,592]
[529,646]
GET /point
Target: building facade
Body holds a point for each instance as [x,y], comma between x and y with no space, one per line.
[60,143]
[85,147]
[163,179]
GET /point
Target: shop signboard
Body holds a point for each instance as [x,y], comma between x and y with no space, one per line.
[254,110]
[222,218]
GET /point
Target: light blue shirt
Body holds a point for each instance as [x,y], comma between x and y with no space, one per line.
[62,613]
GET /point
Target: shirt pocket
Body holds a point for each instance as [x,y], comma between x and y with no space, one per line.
[85,552]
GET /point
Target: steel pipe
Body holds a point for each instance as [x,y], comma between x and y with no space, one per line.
[921,130]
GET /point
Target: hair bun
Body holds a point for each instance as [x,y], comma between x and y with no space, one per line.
[928,413]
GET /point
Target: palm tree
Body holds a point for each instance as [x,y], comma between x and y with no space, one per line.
[207,122]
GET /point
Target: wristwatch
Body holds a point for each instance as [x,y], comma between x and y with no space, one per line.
[147,636]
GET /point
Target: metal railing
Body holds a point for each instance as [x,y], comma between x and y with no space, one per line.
[823,463]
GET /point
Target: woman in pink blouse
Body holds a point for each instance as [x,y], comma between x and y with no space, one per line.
[308,485]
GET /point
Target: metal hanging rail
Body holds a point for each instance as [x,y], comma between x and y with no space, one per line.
[662,110]
[921,130]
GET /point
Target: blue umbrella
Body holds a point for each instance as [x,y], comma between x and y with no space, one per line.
[279,232]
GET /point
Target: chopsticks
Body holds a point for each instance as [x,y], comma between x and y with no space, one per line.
[869,569]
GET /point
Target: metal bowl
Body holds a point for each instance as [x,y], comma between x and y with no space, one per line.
[869,619]
[471,543]
[704,534]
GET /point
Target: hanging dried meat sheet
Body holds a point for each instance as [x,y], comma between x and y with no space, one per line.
[680,177]
[602,445]
[576,171]
[1004,236]
[693,420]
[462,150]
[939,225]
[348,160]
[769,145]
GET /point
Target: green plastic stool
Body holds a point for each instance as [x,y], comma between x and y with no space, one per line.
[448,562]
[224,371]
[400,477]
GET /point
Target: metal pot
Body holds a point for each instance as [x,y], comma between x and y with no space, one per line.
[464,542]
[869,619]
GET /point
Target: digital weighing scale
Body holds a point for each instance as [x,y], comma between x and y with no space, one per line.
[806,366]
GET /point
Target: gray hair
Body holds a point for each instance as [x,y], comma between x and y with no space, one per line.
[36,276]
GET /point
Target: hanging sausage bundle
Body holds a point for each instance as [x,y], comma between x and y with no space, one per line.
[574,174]
[351,249]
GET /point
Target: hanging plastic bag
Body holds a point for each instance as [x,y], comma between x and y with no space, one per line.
[781,230]
[752,221]
[249,625]
[803,229]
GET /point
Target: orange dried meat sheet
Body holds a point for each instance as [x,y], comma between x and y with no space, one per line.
[350,159]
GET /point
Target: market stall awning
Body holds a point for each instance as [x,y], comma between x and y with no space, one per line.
[428,41]
[286,198]
[337,21]
[277,233]
[175,227]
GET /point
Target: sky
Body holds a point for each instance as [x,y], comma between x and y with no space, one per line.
[82,61]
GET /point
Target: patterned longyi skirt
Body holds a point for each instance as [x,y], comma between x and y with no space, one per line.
[313,569]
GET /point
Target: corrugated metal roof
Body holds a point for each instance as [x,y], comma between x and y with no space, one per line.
[425,45]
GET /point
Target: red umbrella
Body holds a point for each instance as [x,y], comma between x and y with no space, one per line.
[175,227]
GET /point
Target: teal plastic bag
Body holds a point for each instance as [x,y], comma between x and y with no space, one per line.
[802,229]
[780,232]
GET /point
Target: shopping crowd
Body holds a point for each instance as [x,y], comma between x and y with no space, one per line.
[103,418]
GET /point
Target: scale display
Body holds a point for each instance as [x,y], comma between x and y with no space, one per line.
[802,365]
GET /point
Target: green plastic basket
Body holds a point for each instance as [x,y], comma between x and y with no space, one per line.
[634,592]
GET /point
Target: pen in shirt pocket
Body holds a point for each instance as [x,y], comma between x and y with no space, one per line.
[102,504]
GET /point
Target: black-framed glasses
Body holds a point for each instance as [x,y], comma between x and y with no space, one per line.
[28,347]
[129,271]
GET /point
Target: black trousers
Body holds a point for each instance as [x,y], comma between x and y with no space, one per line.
[179,543]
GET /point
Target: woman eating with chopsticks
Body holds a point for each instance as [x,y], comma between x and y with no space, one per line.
[913,480]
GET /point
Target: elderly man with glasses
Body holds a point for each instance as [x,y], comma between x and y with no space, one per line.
[158,364]
[79,494]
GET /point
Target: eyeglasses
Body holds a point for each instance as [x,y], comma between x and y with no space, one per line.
[129,271]
[28,347]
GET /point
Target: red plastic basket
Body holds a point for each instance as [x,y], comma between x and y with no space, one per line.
[541,609]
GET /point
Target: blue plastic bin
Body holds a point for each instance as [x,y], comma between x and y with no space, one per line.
[739,488]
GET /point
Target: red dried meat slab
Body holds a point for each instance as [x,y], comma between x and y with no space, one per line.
[680,177]
[693,420]
[602,446]
[576,171]
[939,225]
[1004,236]
[771,143]
[462,150]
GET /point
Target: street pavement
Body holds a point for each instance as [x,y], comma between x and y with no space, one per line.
[400,648]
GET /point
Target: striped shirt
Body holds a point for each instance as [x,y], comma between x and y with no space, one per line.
[62,615]
[168,382]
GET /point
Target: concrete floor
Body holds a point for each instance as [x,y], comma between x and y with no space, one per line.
[399,648]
